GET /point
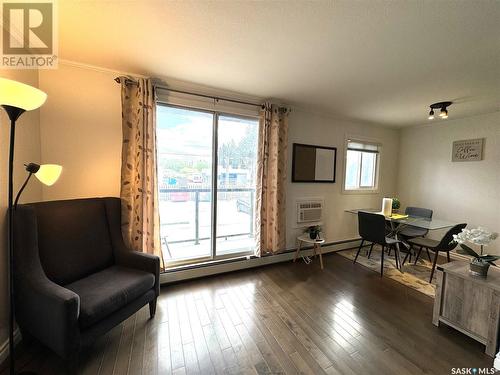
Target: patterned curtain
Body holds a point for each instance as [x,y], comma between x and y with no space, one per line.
[139,193]
[271,178]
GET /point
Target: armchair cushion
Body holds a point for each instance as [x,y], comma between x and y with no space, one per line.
[73,238]
[107,291]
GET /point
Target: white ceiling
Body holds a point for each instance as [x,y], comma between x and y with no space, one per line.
[376,61]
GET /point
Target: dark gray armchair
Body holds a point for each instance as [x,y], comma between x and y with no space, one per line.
[74,277]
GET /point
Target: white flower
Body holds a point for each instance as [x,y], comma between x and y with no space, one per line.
[461,237]
[478,236]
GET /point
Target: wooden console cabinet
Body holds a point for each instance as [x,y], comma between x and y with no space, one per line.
[469,304]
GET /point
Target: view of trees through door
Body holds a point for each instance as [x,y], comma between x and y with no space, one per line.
[204,218]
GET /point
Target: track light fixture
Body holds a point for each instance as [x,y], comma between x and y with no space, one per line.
[444,113]
[442,106]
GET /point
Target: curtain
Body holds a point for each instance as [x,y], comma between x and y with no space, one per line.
[271,177]
[139,193]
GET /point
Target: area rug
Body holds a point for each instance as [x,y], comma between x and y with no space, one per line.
[414,276]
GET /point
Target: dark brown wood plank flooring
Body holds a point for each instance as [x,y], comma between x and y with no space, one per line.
[281,319]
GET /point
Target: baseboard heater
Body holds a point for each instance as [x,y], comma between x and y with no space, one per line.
[228,265]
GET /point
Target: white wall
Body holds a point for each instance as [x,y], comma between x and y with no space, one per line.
[323,130]
[81,129]
[461,191]
[27,149]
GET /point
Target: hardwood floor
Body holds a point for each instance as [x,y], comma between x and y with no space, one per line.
[288,318]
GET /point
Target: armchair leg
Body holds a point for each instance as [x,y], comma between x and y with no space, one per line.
[152,308]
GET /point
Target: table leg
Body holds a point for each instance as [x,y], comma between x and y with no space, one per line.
[320,255]
[297,252]
[396,250]
[314,251]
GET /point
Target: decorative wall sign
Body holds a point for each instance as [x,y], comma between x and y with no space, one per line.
[468,150]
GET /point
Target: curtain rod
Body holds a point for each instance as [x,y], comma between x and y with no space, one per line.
[129,81]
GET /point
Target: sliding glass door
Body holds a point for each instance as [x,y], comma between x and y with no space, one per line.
[236,166]
[193,147]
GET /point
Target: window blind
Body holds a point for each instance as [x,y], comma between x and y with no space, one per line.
[364,147]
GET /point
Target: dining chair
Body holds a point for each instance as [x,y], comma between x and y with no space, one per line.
[371,228]
[412,231]
[445,245]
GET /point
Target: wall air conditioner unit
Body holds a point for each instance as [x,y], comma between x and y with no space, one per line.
[309,211]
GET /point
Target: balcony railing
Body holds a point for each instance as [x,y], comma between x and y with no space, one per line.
[194,194]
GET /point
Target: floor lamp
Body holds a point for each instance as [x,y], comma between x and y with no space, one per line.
[15,98]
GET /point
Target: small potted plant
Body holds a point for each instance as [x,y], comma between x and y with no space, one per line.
[481,237]
[314,232]
[396,204]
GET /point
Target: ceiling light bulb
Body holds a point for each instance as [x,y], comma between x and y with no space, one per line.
[431,115]
[443,113]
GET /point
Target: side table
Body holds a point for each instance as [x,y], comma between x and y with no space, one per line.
[316,246]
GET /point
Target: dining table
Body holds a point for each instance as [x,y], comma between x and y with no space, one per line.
[397,221]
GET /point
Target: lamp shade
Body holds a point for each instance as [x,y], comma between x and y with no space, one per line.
[19,95]
[48,174]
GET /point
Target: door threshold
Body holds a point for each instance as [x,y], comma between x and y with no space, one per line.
[208,263]
[176,274]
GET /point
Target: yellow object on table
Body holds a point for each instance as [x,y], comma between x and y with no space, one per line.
[398,216]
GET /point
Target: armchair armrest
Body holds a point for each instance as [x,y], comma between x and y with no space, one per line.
[140,261]
[50,313]
[44,309]
[125,256]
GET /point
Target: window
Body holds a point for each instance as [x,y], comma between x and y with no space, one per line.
[207,177]
[361,166]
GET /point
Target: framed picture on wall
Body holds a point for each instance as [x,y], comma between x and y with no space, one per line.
[312,163]
[468,150]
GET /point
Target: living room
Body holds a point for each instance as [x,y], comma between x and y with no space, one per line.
[218,127]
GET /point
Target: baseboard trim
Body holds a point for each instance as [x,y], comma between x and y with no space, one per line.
[240,264]
[230,266]
[4,347]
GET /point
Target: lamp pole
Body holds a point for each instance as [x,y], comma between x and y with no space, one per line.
[15,98]
[13,113]
[10,239]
